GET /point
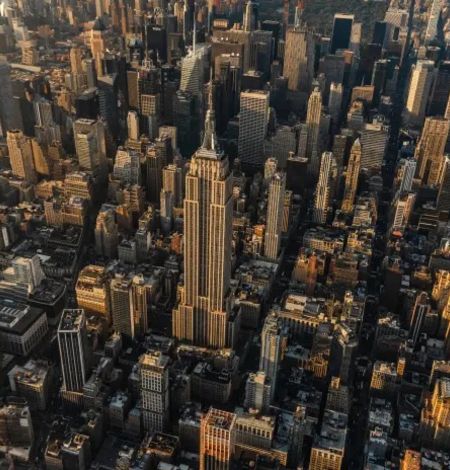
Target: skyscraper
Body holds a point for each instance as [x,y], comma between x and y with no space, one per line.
[433,20]
[92,290]
[202,317]
[274,219]
[157,157]
[325,188]
[133,125]
[273,342]
[335,103]
[405,174]
[106,232]
[127,166]
[90,142]
[21,155]
[217,440]
[351,177]
[374,139]
[6,98]
[421,308]
[258,391]
[440,94]
[443,199]
[342,31]
[249,17]
[74,354]
[154,388]
[419,91]
[253,121]
[173,182]
[313,131]
[27,270]
[431,148]
[299,58]
[122,312]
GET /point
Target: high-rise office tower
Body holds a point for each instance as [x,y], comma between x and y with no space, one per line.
[406,170]
[43,113]
[341,147]
[440,94]
[258,391]
[335,103]
[419,91]
[173,182]
[299,53]
[21,155]
[6,98]
[342,31]
[313,131]
[154,387]
[422,308]
[133,125]
[273,342]
[97,43]
[325,188]
[274,219]
[122,312]
[433,20]
[127,166]
[443,199]
[78,75]
[75,57]
[156,159]
[187,121]
[166,210]
[374,139]
[402,209]
[92,290]
[217,440]
[106,232]
[253,121]
[74,353]
[351,177]
[435,417]
[202,316]
[192,70]
[431,148]
[90,142]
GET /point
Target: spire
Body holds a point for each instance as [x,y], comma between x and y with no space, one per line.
[194,34]
[299,13]
[248,16]
[210,137]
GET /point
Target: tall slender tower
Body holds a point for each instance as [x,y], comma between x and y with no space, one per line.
[154,386]
[274,221]
[273,339]
[21,155]
[249,17]
[431,149]
[351,177]
[325,187]
[313,131]
[299,58]
[419,91]
[202,317]
[73,350]
[253,120]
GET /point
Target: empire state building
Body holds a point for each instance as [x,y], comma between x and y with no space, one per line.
[203,314]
